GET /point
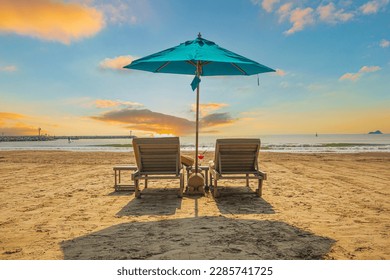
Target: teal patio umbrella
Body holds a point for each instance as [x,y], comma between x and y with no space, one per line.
[198,57]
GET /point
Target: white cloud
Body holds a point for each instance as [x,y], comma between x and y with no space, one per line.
[369,8]
[118,12]
[350,76]
[328,13]
[105,103]
[268,5]
[128,12]
[284,11]
[300,18]
[304,13]
[368,69]
[8,68]
[280,72]
[384,43]
[116,63]
[372,7]
[357,76]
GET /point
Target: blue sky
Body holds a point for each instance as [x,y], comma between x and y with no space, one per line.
[60,67]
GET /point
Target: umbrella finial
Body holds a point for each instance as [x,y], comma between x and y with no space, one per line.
[199,35]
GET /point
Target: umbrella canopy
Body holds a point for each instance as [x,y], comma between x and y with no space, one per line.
[214,61]
[198,57]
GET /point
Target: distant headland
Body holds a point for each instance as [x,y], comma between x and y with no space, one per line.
[375,132]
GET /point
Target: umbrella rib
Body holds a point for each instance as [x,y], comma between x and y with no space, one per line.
[201,64]
[239,69]
[162,66]
[191,62]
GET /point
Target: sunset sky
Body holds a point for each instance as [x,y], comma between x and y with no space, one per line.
[61,67]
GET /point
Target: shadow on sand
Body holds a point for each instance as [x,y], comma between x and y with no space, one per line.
[167,203]
[242,200]
[155,202]
[209,237]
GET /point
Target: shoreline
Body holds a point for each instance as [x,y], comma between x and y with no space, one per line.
[296,143]
[62,205]
[120,149]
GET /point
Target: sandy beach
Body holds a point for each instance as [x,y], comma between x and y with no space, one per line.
[62,205]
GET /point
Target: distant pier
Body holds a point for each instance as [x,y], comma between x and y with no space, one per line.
[52,138]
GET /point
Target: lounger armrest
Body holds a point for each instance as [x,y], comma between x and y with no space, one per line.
[134,175]
[263,174]
[214,173]
[211,166]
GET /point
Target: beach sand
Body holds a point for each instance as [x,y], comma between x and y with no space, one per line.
[62,205]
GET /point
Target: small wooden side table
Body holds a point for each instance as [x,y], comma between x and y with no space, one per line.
[118,185]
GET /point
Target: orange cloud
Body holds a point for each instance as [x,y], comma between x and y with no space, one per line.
[10,125]
[18,130]
[206,108]
[116,63]
[12,116]
[50,20]
[149,121]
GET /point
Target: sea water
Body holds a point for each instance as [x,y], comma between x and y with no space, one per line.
[297,143]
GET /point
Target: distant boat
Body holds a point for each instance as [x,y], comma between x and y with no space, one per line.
[316,134]
[375,132]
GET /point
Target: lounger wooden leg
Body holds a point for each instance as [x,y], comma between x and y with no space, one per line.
[116,183]
[137,192]
[215,188]
[188,169]
[181,186]
[260,188]
[146,181]
[247,180]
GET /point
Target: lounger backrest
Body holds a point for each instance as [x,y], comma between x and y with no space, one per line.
[157,155]
[236,155]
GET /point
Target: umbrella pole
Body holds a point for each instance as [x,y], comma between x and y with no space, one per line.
[197,130]
[196,180]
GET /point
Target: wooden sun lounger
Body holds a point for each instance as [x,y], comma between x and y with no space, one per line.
[157,158]
[236,159]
